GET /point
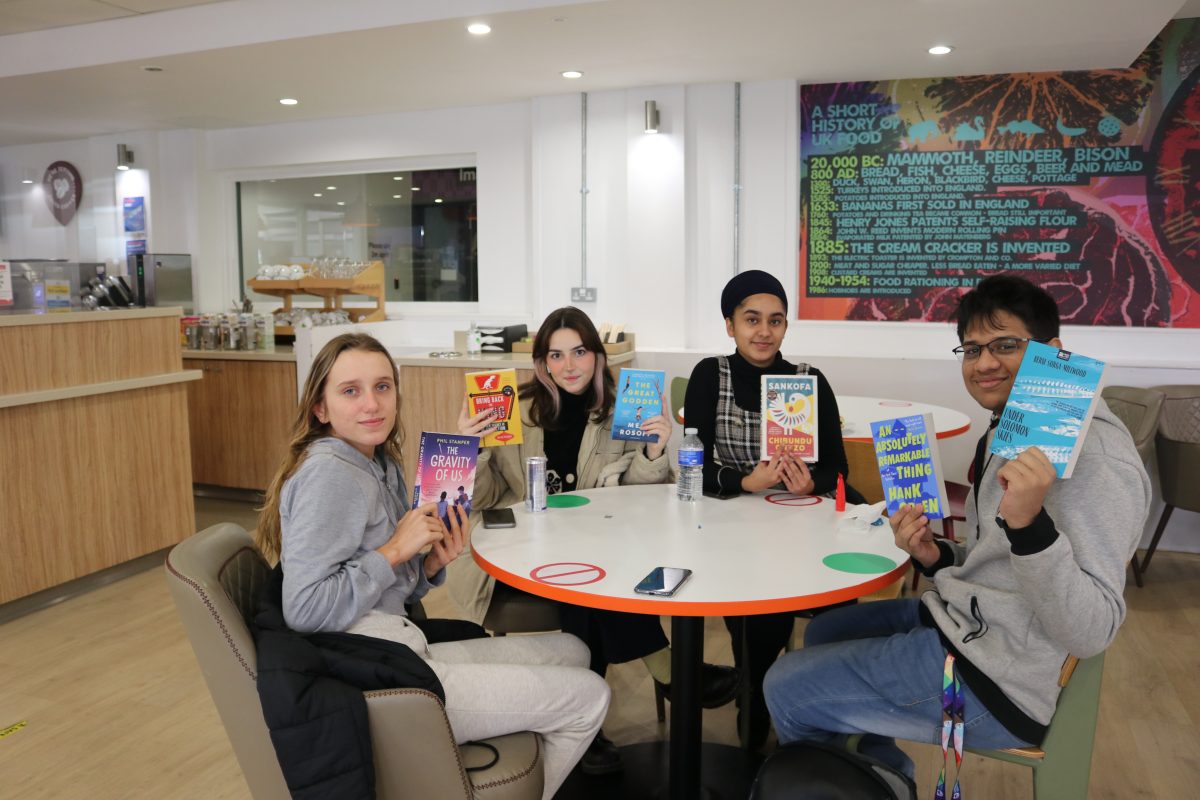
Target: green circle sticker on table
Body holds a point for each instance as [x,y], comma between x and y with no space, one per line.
[859,563]
[566,501]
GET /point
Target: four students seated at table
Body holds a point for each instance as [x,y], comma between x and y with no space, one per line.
[1039,578]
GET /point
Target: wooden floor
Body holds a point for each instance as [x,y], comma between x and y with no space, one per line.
[113,705]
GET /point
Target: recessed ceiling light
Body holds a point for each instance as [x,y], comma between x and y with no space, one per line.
[331,188]
[288,101]
[316,194]
[341,202]
[438,200]
[150,68]
[572,73]
[395,197]
[27,180]
[479,28]
[397,177]
[940,50]
[414,188]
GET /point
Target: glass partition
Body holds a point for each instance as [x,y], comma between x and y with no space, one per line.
[421,224]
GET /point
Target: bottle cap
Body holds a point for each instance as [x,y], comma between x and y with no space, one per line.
[690,431]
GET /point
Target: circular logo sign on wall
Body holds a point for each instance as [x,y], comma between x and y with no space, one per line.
[63,189]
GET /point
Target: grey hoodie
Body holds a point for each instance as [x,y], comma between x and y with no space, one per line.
[1015,605]
[335,510]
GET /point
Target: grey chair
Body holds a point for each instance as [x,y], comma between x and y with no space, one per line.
[1138,408]
[513,611]
[1177,446]
[214,578]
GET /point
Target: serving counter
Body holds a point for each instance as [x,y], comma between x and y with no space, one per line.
[240,415]
[94,449]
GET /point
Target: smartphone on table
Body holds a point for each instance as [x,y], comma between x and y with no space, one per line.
[663,581]
[499,518]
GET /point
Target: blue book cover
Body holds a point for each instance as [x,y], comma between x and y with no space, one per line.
[446,471]
[1050,406]
[639,397]
[909,467]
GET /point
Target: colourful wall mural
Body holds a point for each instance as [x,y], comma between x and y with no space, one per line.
[1087,183]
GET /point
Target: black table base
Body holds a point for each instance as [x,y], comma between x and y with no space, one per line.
[725,773]
[683,768]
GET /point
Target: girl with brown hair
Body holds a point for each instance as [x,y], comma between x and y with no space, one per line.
[350,548]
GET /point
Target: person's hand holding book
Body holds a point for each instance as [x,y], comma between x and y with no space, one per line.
[1026,480]
[911,529]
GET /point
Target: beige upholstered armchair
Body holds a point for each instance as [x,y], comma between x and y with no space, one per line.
[214,578]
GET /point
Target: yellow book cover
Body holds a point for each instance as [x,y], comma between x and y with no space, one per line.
[496,390]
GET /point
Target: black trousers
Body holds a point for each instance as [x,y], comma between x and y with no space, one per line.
[614,637]
[765,637]
[449,630]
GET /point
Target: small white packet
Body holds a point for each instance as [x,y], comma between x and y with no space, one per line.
[861,517]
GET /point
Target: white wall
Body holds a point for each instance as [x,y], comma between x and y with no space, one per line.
[659,233]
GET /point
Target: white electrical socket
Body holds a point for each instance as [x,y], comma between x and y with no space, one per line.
[583,294]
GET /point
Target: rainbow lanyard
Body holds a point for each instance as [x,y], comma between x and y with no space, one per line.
[952,727]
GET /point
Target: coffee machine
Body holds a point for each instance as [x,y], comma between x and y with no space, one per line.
[162,279]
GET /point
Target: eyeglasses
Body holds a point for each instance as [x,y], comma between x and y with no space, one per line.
[1001,347]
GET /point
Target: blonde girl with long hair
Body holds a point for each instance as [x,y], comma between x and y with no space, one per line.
[353,554]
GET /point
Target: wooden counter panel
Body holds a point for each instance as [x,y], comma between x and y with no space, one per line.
[92,482]
[240,416]
[36,357]
[430,399]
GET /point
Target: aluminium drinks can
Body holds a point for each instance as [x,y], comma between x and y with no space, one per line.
[535,475]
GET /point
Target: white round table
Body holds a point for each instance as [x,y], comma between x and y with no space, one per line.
[859,412]
[752,554]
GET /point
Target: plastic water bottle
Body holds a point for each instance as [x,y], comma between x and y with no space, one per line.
[689,484]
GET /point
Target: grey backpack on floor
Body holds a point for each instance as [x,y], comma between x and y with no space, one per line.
[811,771]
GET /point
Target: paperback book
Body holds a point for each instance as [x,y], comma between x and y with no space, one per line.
[789,415]
[1050,407]
[446,471]
[909,467]
[496,391]
[639,397]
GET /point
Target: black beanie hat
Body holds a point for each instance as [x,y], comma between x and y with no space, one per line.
[745,284]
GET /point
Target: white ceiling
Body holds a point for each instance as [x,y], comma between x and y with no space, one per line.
[22,16]
[226,63]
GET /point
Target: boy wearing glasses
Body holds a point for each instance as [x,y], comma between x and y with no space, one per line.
[1039,577]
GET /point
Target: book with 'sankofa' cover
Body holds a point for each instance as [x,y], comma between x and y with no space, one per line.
[789,416]
[496,391]
[1050,406]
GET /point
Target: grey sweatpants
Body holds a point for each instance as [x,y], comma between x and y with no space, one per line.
[538,683]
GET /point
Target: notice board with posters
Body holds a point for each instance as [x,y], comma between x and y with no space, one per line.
[1087,183]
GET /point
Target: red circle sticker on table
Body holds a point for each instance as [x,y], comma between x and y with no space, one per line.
[789,499]
[567,573]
